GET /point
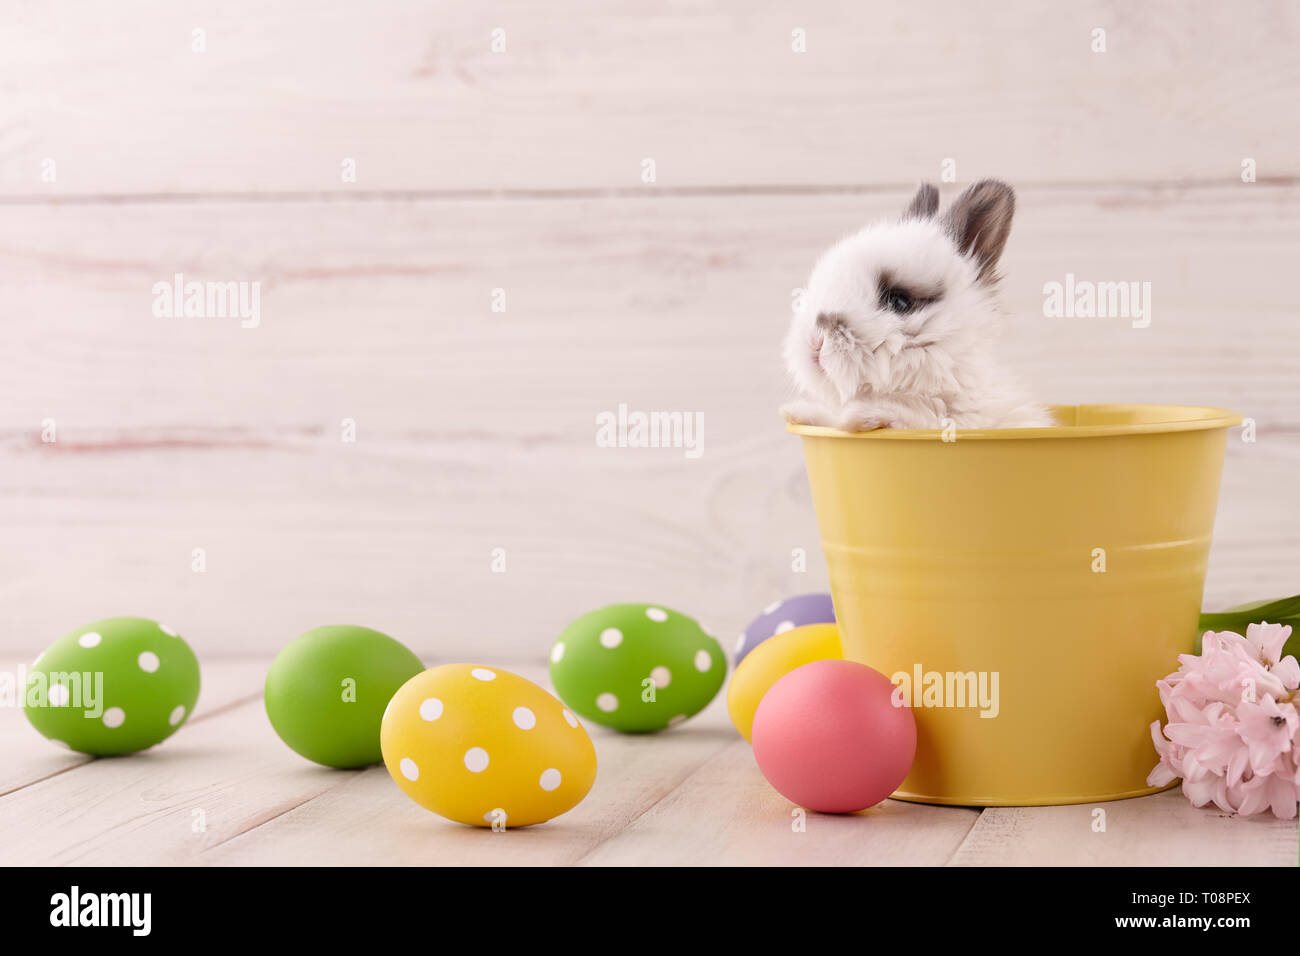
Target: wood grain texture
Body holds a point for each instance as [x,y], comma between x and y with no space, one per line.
[726,812]
[166,805]
[296,539]
[29,758]
[692,796]
[1160,830]
[713,92]
[382,311]
[476,430]
[368,821]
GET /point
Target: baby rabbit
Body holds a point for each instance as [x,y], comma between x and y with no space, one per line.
[898,324]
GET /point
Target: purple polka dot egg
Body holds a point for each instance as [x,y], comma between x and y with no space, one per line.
[785,616]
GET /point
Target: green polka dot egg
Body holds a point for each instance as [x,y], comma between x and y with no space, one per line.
[116,686]
[637,667]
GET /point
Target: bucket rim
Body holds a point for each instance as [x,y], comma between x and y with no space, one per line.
[1180,418]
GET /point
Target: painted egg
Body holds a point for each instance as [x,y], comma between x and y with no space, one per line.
[830,737]
[113,687]
[771,661]
[485,747]
[326,692]
[785,616]
[637,667]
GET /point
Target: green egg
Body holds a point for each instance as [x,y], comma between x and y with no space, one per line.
[116,686]
[327,690]
[637,667]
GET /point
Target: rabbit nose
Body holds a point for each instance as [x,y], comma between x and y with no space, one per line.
[828,321]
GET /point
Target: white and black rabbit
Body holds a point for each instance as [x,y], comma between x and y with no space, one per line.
[898,326]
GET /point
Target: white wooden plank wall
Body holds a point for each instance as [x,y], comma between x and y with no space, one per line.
[521,171]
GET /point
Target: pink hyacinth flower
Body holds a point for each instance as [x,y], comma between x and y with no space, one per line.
[1233,729]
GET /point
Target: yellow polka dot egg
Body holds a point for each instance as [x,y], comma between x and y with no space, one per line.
[485,747]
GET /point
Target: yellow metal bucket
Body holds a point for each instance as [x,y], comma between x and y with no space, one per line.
[1032,583]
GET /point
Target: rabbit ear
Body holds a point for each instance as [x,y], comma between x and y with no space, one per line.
[980,221]
[924,204]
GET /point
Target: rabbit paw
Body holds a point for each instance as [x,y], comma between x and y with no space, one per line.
[863,420]
[862,423]
[807,413]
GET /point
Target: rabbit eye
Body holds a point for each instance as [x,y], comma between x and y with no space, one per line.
[896,300]
[902,300]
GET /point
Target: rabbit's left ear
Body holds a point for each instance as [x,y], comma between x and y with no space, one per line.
[980,221]
[924,204]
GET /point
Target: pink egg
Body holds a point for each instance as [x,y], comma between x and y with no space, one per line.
[828,737]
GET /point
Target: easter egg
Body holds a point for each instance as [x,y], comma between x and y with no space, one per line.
[115,686]
[637,667]
[771,661]
[829,737]
[785,616]
[326,692]
[485,747]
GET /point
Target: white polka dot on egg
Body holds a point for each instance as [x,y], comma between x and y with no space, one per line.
[611,637]
[430,708]
[409,769]
[550,779]
[148,661]
[607,702]
[167,630]
[783,627]
[656,614]
[557,652]
[524,718]
[483,674]
[114,717]
[476,759]
[740,642]
[177,715]
[771,607]
[703,661]
[661,676]
[59,695]
[90,639]
[570,719]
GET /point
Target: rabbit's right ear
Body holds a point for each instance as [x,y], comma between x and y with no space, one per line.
[924,204]
[980,221]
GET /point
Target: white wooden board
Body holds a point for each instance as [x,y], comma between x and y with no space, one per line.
[226,791]
[476,430]
[28,758]
[712,92]
[1163,829]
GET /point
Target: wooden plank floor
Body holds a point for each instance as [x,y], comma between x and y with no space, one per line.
[226,791]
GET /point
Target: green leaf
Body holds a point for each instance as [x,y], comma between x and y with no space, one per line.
[1235,619]
[1253,613]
